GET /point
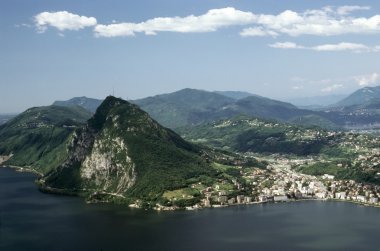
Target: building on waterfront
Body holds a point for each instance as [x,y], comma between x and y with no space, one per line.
[280,198]
[222,199]
[240,199]
[373,200]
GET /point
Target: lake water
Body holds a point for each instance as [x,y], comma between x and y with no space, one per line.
[30,220]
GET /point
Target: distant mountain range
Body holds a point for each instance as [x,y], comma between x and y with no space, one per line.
[190,107]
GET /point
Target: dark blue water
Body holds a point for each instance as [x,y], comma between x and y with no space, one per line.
[30,220]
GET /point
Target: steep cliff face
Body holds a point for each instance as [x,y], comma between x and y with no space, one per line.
[108,167]
[122,151]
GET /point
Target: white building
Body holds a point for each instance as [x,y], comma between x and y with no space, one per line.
[280,198]
[373,200]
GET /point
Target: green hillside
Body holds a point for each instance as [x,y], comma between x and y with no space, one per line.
[38,136]
[345,155]
[258,135]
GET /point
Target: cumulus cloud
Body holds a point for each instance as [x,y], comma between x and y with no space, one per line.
[208,22]
[331,88]
[370,79]
[62,20]
[327,21]
[344,46]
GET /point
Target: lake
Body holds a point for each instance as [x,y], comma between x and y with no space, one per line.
[31,220]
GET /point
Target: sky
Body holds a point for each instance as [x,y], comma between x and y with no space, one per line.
[55,50]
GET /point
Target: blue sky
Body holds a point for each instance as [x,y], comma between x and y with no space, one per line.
[60,49]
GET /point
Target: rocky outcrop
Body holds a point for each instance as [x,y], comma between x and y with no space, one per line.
[108,166]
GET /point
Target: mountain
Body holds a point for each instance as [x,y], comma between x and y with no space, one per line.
[235,94]
[37,137]
[89,104]
[123,154]
[266,108]
[189,107]
[360,97]
[184,107]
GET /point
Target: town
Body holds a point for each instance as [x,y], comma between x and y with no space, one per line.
[278,182]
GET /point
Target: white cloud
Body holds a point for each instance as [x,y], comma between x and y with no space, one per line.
[62,20]
[286,45]
[331,88]
[327,21]
[344,46]
[370,79]
[211,21]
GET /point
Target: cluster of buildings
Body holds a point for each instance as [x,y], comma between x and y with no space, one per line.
[280,183]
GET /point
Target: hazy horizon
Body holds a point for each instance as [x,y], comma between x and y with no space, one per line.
[54,50]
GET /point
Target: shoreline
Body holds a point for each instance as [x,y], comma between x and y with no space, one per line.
[64,192]
[273,202]
[26,169]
